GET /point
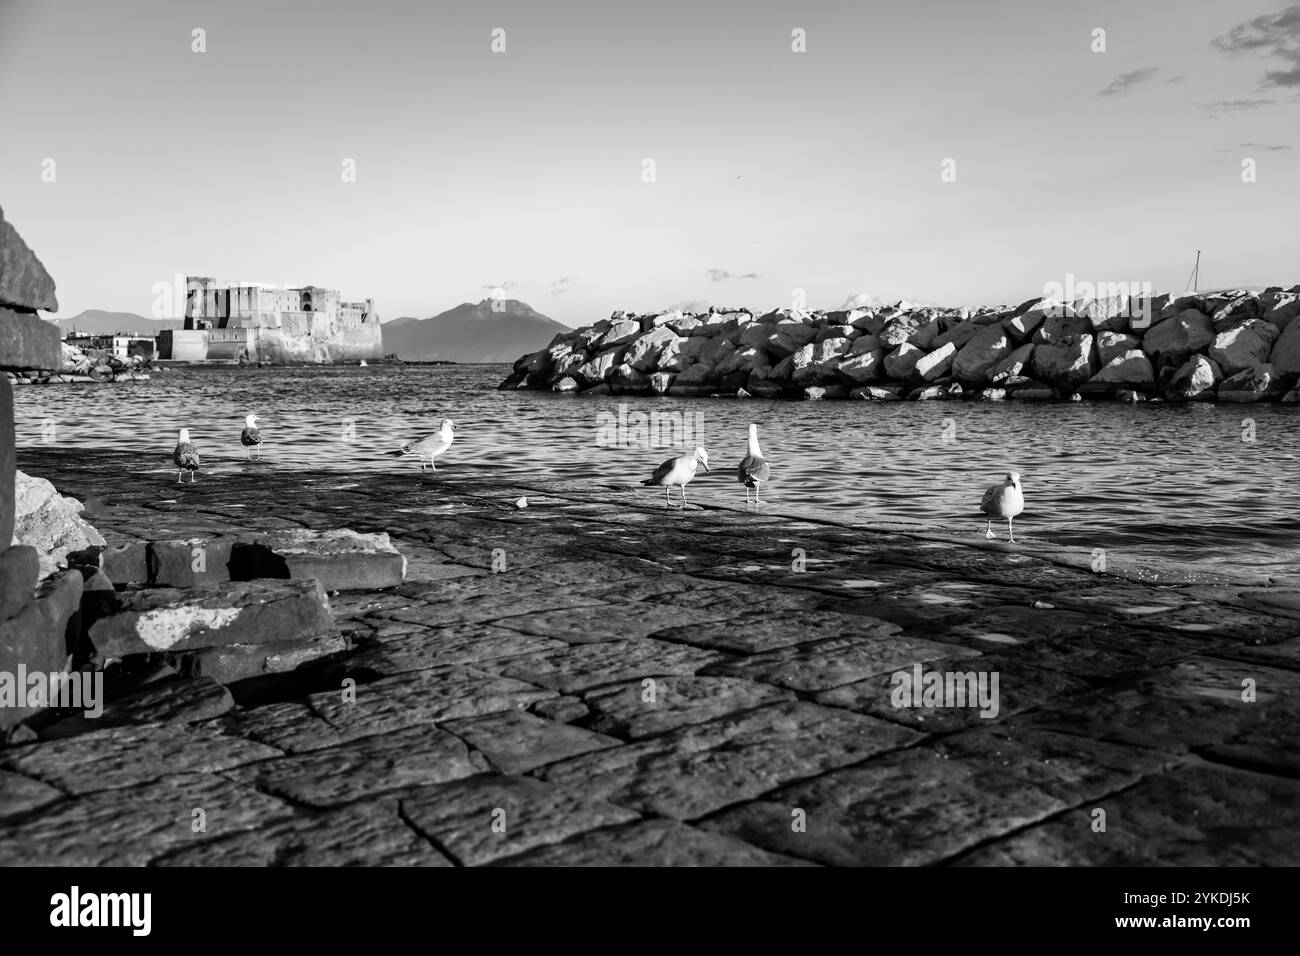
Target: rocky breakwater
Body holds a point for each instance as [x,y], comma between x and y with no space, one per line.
[85,365]
[1228,346]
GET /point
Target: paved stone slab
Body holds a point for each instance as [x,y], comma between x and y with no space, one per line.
[1194,703]
[166,702]
[235,662]
[1019,688]
[1008,625]
[424,648]
[290,726]
[122,756]
[20,794]
[515,742]
[341,559]
[584,666]
[1111,651]
[606,622]
[527,813]
[362,768]
[634,710]
[187,562]
[755,632]
[423,697]
[827,664]
[131,826]
[1193,816]
[652,843]
[921,805]
[364,834]
[257,612]
[704,767]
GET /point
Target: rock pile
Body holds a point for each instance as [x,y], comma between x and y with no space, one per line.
[85,365]
[1229,346]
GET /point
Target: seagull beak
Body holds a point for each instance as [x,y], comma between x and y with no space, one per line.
[706,466]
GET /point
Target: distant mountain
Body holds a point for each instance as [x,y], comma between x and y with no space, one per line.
[99,322]
[472,333]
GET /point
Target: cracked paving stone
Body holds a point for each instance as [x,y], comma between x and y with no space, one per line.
[488,607]
[363,768]
[423,697]
[515,742]
[290,726]
[754,633]
[921,806]
[168,702]
[821,666]
[131,826]
[1019,689]
[1192,816]
[565,709]
[1010,625]
[651,843]
[922,605]
[363,834]
[606,622]
[623,710]
[700,768]
[582,666]
[681,590]
[1226,624]
[121,756]
[1283,654]
[527,813]
[440,647]
[1194,703]
[20,794]
[1109,652]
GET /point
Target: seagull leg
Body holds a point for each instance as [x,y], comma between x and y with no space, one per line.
[178,476]
[665,496]
[988,529]
[1010,534]
[757,487]
[683,487]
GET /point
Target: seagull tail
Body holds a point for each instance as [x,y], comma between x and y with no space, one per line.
[405,449]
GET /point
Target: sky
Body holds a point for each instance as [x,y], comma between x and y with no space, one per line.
[630,155]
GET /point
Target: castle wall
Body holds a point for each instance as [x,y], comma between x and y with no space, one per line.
[183,345]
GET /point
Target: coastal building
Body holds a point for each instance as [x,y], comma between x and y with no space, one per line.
[123,345]
[256,322]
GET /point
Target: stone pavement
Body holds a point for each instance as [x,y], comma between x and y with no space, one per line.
[595,680]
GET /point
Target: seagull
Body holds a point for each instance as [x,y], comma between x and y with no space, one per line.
[753,469]
[250,438]
[678,471]
[1003,501]
[185,457]
[429,447]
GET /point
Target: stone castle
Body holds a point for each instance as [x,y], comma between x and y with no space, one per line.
[255,322]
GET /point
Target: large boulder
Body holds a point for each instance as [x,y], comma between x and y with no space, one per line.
[1111,345]
[49,522]
[595,371]
[1013,366]
[619,333]
[24,283]
[901,363]
[1067,364]
[957,335]
[625,378]
[818,364]
[986,348]
[901,328]
[864,367]
[787,337]
[1282,307]
[865,342]
[1056,328]
[1172,340]
[743,359]
[1251,385]
[1243,346]
[643,354]
[1194,380]
[936,363]
[1131,368]
[1285,357]
[1233,308]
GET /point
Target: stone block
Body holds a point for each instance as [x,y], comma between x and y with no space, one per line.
[37,636]
[341,560]
[126,563]
[19,569]
[24,283]
[28,341]
[236,662]
[6,462]
[191,562]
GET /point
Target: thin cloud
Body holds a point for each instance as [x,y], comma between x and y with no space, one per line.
[1236,106]
[503,286]
[1269,147]
[1271,36]
[1128,81]
[691,305]
[561,286]
[721,275]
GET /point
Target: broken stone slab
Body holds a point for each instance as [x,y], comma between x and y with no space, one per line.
[342,560]
[515,742]
[24,282]
[27,340]
[190,562]
[235,662]
[49,522]
[250,612]
[37,636]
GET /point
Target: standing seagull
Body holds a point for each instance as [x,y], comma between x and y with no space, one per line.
[753,469]
[185,457]
[678,471]
[250,438]
[1003,501]
[430,447]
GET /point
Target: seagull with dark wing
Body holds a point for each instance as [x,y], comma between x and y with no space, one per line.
[678,471]
[753,469]
[185,457]
[250,437]
[1003,501]
[430,447]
